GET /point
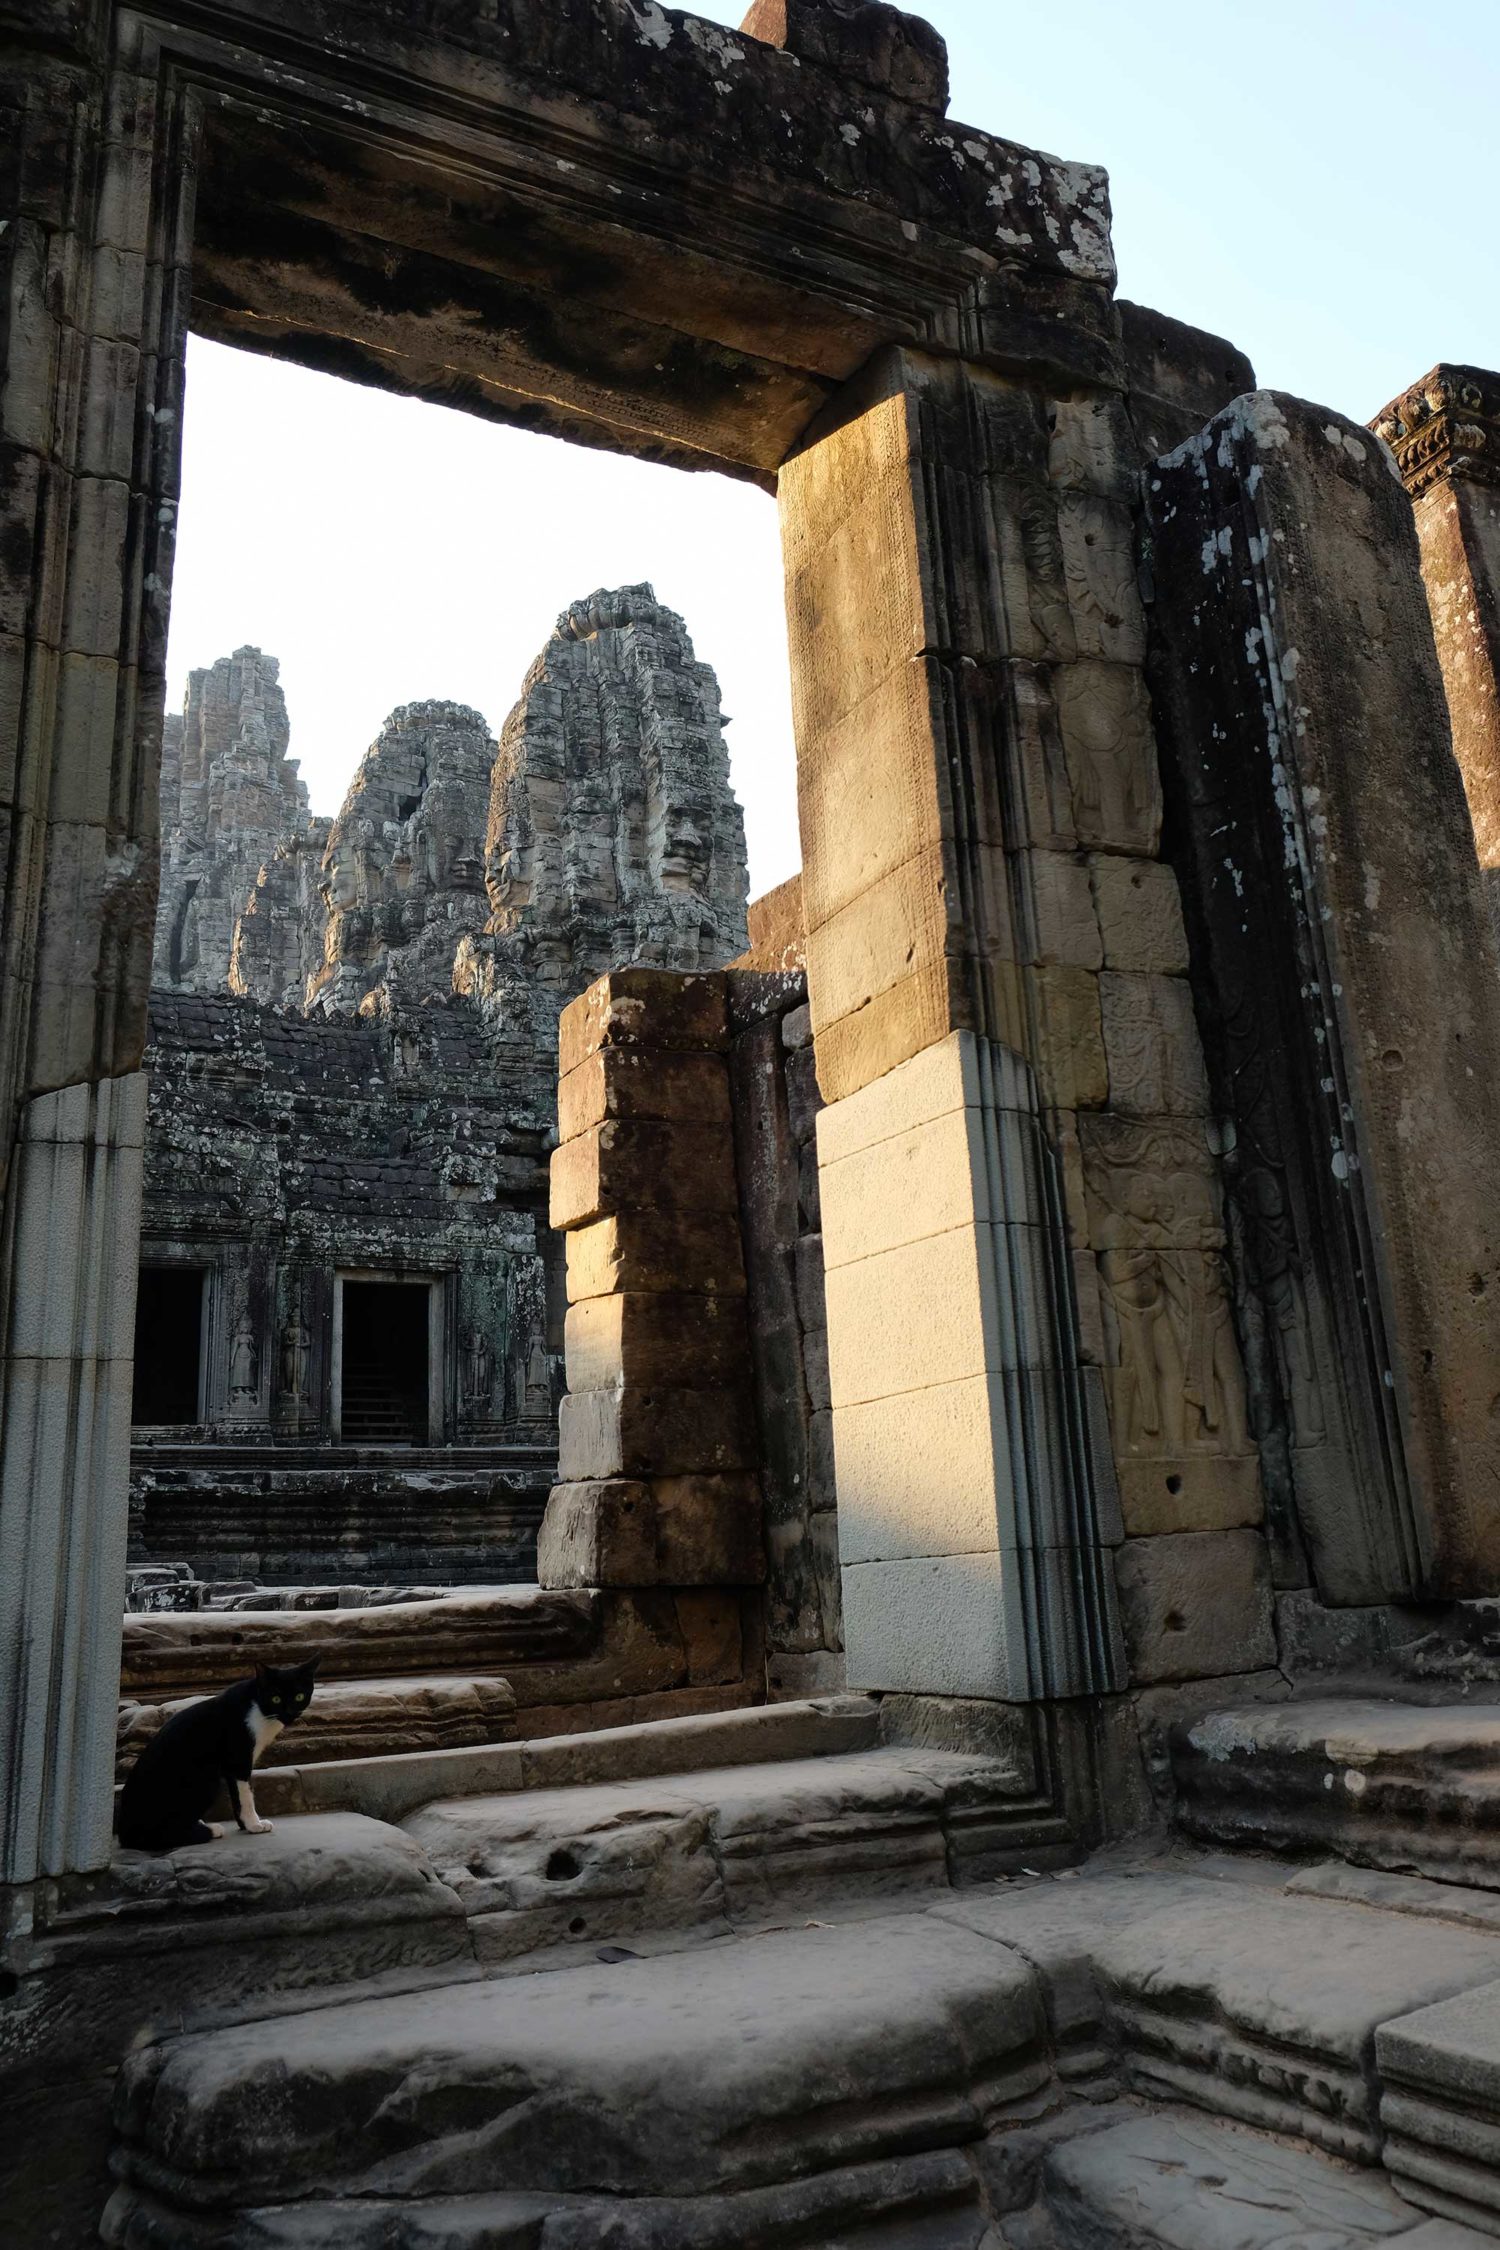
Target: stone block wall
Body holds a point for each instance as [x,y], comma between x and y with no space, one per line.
[695,1440]
[1345,985]
[657,1447]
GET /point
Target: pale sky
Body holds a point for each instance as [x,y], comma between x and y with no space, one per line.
[1313,179]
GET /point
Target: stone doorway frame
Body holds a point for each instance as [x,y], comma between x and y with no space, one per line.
[437,1288]
[890,360]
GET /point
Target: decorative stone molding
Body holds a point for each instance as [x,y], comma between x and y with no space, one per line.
[1448,425]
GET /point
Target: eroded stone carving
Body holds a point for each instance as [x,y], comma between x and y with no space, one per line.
[231,798]
[1111,756]
[612,833]
[401,878]
[1445,426]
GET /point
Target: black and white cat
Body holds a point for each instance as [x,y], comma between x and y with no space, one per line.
[218,1741]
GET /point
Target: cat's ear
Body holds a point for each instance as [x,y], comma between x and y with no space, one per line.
[311,1666]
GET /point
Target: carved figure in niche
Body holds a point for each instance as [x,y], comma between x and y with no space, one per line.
[1276,1275]
[1046,594]
[1111,755]
[244,1364]
[1099,569]
[1149,1375]
[481,1368]
[296,1354]
[538,1403]
[1212,1385]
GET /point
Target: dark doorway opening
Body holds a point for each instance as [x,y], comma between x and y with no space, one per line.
[168,1344]
[384,1388]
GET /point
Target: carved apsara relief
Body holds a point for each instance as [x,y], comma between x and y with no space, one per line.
[1098,547]
[1156,1224]
[1151,1043]
[1111,756]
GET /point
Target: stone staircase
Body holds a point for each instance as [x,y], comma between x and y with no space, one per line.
[779,1977]
[464,1669]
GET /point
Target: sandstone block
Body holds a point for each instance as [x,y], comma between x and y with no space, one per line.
[1069,1054]
[571,2052]
[642,1082]
[1151,1042]
[642,1007]
[180,1652]
[880,47]
[642,1162]
[671,1531]
[1064,928]
[941,1625]
[650,1337]
[363,1719]
[1197,2184]
[711,1622]
[699,1251]
[1195,1604]
[659,1432]
[1140,915]
[1105,720]
[1189,1492]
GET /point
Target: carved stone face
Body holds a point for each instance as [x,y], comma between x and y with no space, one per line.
[680,861]
[339,881]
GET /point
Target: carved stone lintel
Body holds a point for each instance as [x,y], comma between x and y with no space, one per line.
[1448,425]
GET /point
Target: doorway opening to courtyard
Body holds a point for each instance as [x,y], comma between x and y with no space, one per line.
[383,1360]
[168,1382]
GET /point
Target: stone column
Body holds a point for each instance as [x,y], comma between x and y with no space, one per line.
[64,1454]
[90,266]
[1445,434]
[991,955]
[657,1451]
[1345,983]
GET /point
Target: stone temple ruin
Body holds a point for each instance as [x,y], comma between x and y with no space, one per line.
[1022,1565]
[348,1344]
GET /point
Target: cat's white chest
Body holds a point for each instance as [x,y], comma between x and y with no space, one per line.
[263,1731]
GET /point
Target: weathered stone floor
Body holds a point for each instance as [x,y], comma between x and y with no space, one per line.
[746,1980]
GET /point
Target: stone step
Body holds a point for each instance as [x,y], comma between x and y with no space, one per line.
[1243,1998]
[166,1654]
[777,2065]
[925,2072]
[357,1719]
[1183,2183]
[706,1851]
[389,1788]
[1383,1784]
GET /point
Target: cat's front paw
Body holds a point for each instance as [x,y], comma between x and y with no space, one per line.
[255,1826]
[215,1831]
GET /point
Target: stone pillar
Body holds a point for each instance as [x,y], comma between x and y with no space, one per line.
[1445,434]
[91,261]
[657,1451]
[1345,984]
[76,1228]
[972,739]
